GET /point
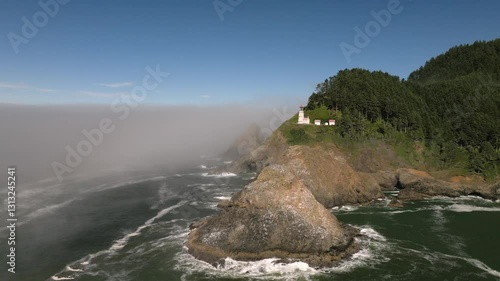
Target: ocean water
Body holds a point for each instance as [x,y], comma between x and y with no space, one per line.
[134,227]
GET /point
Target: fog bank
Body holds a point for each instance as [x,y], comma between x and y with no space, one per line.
[38,139]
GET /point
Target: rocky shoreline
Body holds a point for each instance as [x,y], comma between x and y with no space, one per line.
[415,185]
[283,213]
[275,216]
[334,181]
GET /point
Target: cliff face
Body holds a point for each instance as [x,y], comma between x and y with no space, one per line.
[334,181]
[254,160]
[327,175]
[282,213]
[323,170]
[417,184]
[274,216]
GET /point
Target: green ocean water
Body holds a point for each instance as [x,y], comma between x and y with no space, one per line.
[134,228]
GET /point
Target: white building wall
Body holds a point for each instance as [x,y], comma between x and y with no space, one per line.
[301,117]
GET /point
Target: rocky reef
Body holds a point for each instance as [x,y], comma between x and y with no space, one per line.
[276,216]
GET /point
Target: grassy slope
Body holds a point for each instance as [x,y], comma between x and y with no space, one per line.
[389,150]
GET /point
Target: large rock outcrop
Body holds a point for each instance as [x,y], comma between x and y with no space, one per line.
[326,173]
[274,216]
[387,180]
[417,185]
[323,170]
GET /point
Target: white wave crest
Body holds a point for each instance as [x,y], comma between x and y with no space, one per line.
[372,233]
[345,208]
[122,242]
[373,251]
[266,266]
[104,187]
[117,245]
[461,198]
[44,211]
[69,268]
[462,208]
[57,278]
[438,256]
[480,265]
[267,269]
[221,175]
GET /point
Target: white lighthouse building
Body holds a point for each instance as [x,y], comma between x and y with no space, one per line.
[302,118]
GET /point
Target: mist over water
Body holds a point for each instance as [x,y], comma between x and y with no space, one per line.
[124,213]
[86,209]
[33,137]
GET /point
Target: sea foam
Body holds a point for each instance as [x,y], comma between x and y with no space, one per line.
[372,245]
[462,208]
[220,175]
[116,246]
[122,242]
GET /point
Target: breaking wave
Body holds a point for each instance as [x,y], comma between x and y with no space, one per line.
[117,245]
[462,208]
[373,246]
[220,175]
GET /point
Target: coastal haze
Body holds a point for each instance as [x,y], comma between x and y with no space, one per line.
[249,140]
[168,136]
[152,144]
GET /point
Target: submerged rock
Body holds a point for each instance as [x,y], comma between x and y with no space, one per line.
[395,203]
[276,216]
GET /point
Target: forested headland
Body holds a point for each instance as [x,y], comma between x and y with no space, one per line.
[445,115]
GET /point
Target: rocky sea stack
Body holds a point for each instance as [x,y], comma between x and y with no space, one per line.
[275,216]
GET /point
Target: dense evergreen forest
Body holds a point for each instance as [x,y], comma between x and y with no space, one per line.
[451,105]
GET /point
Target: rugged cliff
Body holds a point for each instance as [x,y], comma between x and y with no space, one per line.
[322,168]
[418,184]
[336,178]
[275,216]
[282,213]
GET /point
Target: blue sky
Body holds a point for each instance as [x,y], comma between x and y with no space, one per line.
[93,51]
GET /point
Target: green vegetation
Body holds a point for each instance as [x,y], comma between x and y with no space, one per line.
[450,108]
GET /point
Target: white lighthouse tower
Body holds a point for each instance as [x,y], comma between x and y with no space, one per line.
[301,115]
[303,119]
